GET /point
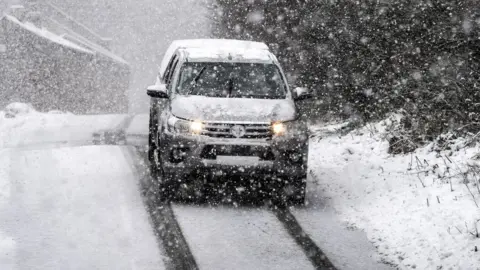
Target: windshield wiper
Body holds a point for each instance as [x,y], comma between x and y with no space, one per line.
[193,83]
[259,96]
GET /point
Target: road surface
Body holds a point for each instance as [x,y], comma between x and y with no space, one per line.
[76,205]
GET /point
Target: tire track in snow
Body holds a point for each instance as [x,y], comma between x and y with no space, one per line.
[174,243]
[316,256]
[165,225]
[225,236]
[170,233]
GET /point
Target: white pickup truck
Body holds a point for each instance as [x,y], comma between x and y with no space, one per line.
[222,109]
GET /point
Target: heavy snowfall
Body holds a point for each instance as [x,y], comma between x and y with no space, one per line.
[239,134]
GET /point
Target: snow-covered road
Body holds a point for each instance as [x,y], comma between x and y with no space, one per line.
[75,208]
[70,206]
[238,238]
[232,236]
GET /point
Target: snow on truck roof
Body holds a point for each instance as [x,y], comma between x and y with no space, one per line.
[227,54]
[203,49]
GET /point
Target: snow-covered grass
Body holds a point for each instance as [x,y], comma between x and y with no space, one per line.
[417,209]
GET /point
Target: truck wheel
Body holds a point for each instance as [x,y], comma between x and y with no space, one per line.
[152,132]
[151,159]
[163,184]
[168,186]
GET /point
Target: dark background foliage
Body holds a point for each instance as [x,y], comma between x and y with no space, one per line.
[368,58]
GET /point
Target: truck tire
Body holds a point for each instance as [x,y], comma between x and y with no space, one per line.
[152,147]
[168,186]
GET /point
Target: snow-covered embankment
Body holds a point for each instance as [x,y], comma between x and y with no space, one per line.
[419,210]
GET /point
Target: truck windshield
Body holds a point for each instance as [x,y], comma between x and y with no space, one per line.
[242,80]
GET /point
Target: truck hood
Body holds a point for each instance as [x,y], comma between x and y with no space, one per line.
[233,109]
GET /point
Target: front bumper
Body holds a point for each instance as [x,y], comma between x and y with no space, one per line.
[283,156]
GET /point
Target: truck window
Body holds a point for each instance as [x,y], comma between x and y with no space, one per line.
[169,69]
[244,80]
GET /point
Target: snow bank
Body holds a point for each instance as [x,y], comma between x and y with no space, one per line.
[415,208]
[137,131]
[138,125]
[21,126]
[18,109]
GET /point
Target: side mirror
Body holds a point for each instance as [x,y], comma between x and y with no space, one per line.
[301,93]
[157,91]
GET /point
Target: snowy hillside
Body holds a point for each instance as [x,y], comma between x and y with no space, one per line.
[22,126]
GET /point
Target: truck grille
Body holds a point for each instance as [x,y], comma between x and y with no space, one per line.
[212,151]
[224,130]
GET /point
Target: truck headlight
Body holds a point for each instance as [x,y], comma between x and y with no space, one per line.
[196,127]
[184,126]
[279,128]
[290,129]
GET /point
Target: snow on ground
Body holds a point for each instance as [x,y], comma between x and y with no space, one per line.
[73,208]
[347,249]
[7,244]
[137,131]
[412,226]
[67,207]
[238,238]
[81,204]
[26,127]
[138,125]
[330,129]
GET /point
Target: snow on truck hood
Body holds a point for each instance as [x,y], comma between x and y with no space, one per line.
[232,109]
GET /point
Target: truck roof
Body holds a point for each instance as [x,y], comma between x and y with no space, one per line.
[221,54]
[206,43]
[211,49]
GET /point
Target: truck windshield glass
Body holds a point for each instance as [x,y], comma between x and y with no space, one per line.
[242,80]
